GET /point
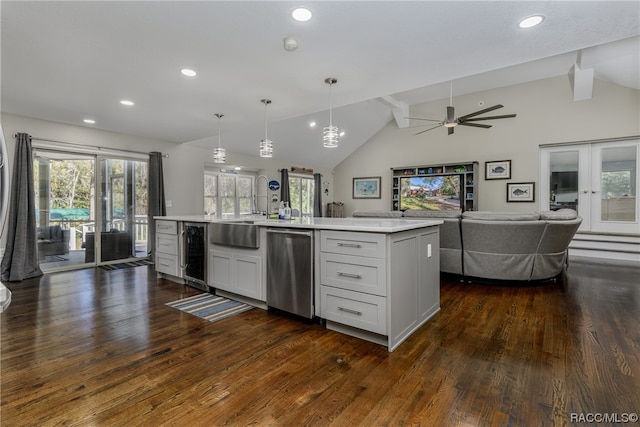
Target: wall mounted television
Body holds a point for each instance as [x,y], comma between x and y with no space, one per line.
[431,193]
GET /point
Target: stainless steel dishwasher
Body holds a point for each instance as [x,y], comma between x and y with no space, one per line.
[290,271]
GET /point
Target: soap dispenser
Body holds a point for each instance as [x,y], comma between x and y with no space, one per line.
[281,211]
[287,211]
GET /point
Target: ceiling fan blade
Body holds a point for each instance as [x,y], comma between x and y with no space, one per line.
[477,113]
[420,118]
[451,114]
[475,125]
[449,131]
[506,116]
[426,130]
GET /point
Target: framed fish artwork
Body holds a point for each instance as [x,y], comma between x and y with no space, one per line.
[521,192]
[498,169]
[366,188]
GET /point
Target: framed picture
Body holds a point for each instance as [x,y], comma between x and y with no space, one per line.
[521,191]
[499,169]
[366,188]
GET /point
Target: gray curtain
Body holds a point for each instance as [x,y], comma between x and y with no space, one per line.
[317,195]
[285,195]
[157,206]
[20,259]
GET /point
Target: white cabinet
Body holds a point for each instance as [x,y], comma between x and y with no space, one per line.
[377,286]
[167,250]
[237,270]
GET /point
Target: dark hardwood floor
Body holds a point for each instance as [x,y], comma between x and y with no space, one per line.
[98,348]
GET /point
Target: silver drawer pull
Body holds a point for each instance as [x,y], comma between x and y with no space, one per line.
[164,265]
[351,311]
[165,227]
[349,245]
[354,275]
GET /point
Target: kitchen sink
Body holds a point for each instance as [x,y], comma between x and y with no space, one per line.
[241,233]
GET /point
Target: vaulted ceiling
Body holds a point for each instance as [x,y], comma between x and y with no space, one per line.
[67,61]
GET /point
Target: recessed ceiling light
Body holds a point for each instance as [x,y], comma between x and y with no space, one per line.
[187,72]
[341,134]
[126,102]
[89,121]
[312,124]
[301,14]
[237,168]
[531,21]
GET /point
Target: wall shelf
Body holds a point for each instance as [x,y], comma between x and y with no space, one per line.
[469,180]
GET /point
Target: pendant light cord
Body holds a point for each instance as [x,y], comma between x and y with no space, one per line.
[219,116]
[330,104]
[266,137]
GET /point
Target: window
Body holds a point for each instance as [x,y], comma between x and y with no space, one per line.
[301,193]
[227,194]
[210,193]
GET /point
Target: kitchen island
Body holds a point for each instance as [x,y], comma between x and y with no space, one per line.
[374,278]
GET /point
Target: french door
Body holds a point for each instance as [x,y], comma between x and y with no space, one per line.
[599,180]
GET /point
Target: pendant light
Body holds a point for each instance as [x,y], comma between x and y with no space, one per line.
[330,134]
[266,145]
[219,154]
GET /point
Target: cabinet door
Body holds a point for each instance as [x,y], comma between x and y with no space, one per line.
[167,244]
[167,264]
[360,274]
[248,277]
[220,270]
[364,311]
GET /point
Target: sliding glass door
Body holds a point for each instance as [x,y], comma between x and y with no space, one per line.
[65,208]
[123,209]
[89,209]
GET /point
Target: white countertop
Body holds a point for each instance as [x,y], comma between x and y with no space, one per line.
[373,225]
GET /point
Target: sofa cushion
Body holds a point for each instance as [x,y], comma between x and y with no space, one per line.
[560,214]
[50,233]
[501,216]
[43,233]
[432,214]
[377,214]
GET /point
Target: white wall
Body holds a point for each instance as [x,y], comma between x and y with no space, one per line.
[546,114]
[183,169]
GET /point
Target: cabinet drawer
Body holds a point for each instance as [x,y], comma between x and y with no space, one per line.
[167,244]
[347,243]
[364,311]
[166,227]
[360,274]
[167,264]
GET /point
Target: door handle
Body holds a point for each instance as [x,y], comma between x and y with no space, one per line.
[350,311]
[297,233]
[350,245]
[353,275]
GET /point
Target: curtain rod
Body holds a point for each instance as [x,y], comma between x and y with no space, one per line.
[89,147]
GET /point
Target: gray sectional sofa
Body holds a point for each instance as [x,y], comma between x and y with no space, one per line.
[500,245]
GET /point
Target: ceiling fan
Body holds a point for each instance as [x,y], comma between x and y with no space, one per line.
[451,121]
